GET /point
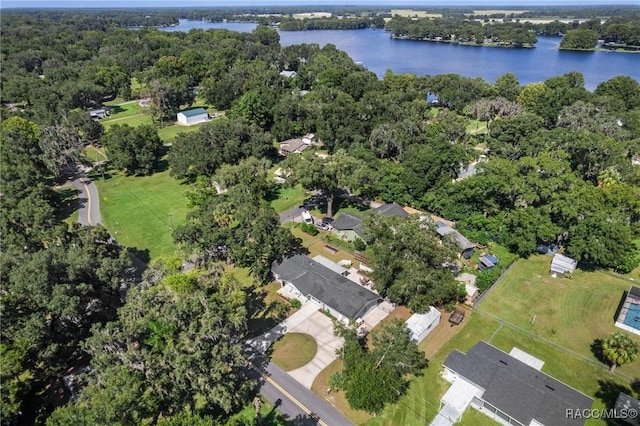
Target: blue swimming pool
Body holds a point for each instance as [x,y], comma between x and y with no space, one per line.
[632,319]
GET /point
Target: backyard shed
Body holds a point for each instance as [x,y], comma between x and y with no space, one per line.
[562,265]
[420,325]
[192,116]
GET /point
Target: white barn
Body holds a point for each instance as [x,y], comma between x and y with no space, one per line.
[192,116]
[420,325]
[562,265]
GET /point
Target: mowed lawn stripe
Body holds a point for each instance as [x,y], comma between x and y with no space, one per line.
[139,210]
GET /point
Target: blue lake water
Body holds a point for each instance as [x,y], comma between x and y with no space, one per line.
[376,50]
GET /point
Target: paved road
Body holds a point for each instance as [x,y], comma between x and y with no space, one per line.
[301,405]
[291,214]
[89,209]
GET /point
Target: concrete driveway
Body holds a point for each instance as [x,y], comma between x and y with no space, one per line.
[320,327]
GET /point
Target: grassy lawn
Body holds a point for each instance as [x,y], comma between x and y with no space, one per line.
[473,417]
[94,154]
[570,313]
[293,350]
[288,197]
[169,132]
[477,127]
[139,210]
[337,398]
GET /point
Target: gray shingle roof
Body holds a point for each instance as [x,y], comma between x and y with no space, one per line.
[516,388]
[392,209]
[334,290]
[627,403]
[346,222]
[458,238]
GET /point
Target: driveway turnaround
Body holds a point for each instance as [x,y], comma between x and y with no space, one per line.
[320,327]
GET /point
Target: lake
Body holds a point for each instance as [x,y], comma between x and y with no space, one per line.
[376,50]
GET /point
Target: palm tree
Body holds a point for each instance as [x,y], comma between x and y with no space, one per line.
[619,349]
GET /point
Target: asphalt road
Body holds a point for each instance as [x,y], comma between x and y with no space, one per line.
[301,405]
[291,214]
[89,209]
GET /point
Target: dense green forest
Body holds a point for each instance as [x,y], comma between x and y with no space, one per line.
[560,167]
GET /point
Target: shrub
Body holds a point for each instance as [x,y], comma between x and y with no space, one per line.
[295,303]
[309,229]
[359,245]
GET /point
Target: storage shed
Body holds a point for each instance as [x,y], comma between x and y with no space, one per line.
[192,116]
[420,325]
[562,265]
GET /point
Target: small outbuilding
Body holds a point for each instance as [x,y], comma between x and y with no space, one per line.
[420,325]
[288,74]
[192,116]
[562,266]
[487,262]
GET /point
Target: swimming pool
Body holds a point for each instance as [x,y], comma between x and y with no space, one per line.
[632,319]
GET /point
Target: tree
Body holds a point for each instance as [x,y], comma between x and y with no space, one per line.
[580,39]
[371,379]
[220,142]
[133,149]
[507,86]
[174,346]
[323,174]
[168,95]
[407,260]
[619,349]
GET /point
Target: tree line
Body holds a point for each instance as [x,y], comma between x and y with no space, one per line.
[559,168]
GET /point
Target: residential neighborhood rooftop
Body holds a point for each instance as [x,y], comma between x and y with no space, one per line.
[314,279]
[517,389]
[392,209]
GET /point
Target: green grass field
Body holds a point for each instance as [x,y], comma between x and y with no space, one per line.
[570,315]
[288,197]
[139,210]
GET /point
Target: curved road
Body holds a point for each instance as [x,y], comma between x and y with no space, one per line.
[301,405]
[89,201]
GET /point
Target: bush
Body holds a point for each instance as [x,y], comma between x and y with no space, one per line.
[309,229]
[295,303]
[486,279]
[359,245]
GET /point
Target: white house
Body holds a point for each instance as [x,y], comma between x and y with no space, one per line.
[562,265]
[309,139]
[288,74]
[192,116]
[420,325]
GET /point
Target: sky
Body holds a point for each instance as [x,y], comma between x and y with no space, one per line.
[40,4]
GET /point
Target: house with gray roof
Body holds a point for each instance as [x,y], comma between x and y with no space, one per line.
[392,209]
[310,280]
[348,226]
[464,245]
[508,388]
